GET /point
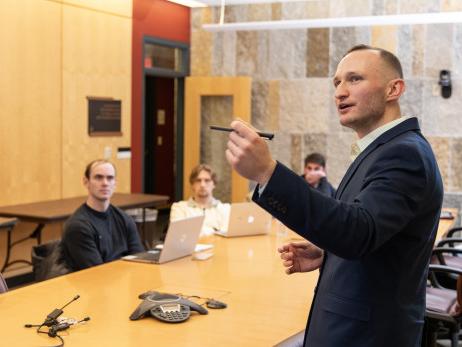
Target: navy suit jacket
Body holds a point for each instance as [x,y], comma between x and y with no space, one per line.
[377,234]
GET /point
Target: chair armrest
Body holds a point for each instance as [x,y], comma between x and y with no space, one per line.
[444,268]
[450,241]
[452,250]
[452,231]
[432,269]
[439,251]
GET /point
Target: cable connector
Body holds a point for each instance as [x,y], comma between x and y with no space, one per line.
[51,317]
[58,327]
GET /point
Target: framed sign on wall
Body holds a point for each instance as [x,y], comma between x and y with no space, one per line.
[104,116]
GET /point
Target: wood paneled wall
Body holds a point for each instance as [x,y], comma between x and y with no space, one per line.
[54,55]
[96,62]
[30,99]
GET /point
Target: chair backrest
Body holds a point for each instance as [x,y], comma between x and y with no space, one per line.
[3,286]
[443,307]
[47,262]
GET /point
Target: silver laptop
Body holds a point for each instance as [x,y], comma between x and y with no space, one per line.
[245,219]
[180,241]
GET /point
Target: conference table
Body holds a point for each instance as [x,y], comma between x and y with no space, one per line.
[264,304]
[52,211]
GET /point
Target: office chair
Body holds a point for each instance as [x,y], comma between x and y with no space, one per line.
[47,262]
[449,240]
[3,286]
[447,252]
[443,314]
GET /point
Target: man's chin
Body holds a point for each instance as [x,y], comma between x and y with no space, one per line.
[103,198]
[346,121]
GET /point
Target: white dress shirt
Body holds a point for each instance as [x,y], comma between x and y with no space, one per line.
[216,214]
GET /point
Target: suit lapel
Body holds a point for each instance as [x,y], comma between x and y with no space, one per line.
[407,125]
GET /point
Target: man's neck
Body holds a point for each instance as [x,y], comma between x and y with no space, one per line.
[98,205]
[365,131]
[391,113]
[203,202]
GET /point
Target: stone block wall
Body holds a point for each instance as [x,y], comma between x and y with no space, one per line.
[292,92]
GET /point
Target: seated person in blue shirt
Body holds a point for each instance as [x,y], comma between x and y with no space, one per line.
[315,174]
[98,232]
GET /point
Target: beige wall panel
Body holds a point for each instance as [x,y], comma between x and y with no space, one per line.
[30,99]
[385,37]
[237,87]
[118,7]
[96,62]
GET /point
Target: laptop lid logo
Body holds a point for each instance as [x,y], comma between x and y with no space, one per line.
[250,219]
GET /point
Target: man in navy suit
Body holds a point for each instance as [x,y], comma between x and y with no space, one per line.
[372,242]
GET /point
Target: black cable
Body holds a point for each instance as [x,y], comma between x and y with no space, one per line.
[194,296]
[209,302]
[58,336]
[62,341]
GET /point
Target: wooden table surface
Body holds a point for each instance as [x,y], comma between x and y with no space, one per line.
[59,210]
[264,304]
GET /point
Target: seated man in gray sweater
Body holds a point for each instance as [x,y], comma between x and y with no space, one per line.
[98,232]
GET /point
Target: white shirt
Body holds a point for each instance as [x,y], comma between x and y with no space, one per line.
[362,144]
[216,214]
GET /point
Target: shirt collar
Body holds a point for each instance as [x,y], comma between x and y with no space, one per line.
[360,145]
[193,203]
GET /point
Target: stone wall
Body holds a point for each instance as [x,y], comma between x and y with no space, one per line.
[292,84]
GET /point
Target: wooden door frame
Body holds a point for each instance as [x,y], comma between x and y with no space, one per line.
[240,88]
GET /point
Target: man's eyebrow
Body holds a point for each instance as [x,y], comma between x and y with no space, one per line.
[347,74]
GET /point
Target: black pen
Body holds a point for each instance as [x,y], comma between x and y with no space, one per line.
[268,136]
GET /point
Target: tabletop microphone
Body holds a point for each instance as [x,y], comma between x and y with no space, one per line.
[75,298]
[51,317]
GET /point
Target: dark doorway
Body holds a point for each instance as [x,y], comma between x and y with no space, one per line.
[166,64]
[159,161]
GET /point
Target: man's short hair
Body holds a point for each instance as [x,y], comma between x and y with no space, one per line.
[197,170]
[315,158]
[94,163]
[389,58]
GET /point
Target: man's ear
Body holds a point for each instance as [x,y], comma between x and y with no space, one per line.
[395,89]
[85,182]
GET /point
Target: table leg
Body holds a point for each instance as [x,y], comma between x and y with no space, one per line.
[36,234]
[143,231]
[8,249]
